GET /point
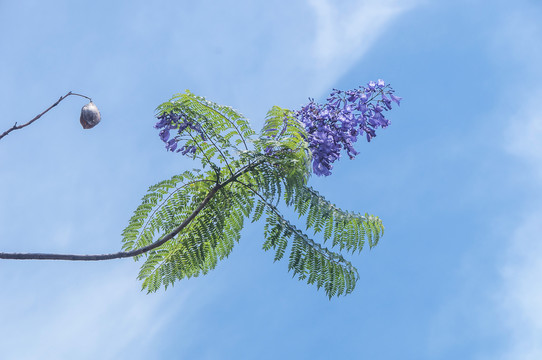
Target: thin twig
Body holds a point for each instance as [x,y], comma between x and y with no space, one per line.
[17,127]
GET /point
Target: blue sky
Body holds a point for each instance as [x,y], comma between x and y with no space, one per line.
[455,178]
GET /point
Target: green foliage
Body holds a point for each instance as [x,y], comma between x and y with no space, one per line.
[348,230]
[225,128]
[308,259]
[157,215]
[209,237]
[248,177]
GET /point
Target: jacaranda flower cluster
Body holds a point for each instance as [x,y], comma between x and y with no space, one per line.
[336,125]
[179,123]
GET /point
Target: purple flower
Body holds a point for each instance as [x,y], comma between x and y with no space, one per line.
[171,145]
[178,122]
[164,135]
[336,125]
[397,99]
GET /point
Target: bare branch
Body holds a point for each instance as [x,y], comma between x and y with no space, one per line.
[17,127]
[132,253]
[118,255]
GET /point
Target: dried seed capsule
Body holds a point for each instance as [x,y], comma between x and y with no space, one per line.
[90,116]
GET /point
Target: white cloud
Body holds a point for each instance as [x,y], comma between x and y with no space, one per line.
[525,132]
[519,303]
[346,30]
[520,297]
[504,303]
[88,317]
[276,62]
[501,303]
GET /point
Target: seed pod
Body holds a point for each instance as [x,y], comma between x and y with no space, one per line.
[90,116]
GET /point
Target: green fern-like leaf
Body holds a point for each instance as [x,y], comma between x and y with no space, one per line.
[154,212]
[193,220]
[308,260]
[208,239]
[348,230]
[221,125]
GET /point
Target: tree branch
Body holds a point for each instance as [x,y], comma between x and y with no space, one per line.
[17,127]
[132,253]
[120,254]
